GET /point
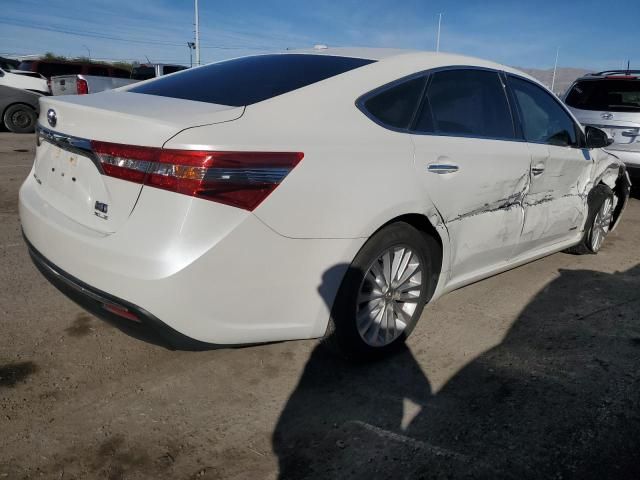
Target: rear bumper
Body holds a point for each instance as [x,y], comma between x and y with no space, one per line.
[630,159]
[147,327]
[217,275]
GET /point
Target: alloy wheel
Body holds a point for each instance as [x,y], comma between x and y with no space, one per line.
[601,224]
[389,295]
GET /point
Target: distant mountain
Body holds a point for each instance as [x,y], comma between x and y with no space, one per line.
[564,76]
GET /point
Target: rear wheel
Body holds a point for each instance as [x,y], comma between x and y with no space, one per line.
[599,221]
[20,118]
[383,293]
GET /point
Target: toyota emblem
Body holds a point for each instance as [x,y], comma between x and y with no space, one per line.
[607,116]
[52,118]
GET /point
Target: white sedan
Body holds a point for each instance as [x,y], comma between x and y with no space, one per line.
[316,193]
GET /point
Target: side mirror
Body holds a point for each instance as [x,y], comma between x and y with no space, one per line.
[596,138]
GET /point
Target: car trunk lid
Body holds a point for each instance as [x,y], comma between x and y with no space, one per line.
[70,175]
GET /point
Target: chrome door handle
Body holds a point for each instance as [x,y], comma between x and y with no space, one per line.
[537,170]
[442,168]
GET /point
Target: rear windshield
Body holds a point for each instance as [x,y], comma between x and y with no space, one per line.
[248,80]
[608,94]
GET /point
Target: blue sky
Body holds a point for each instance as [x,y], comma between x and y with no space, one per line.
[511,32]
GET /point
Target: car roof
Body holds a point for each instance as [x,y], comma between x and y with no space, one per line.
[608,74]
[423,60]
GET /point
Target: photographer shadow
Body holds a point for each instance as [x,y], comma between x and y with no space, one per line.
[558,398]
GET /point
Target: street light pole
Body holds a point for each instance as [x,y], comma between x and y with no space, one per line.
[197,34]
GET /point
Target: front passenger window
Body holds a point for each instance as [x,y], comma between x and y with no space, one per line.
[543,119]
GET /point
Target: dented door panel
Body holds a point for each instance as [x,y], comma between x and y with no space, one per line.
[554,206]
[479,197]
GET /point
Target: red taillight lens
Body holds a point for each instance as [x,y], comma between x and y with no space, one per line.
[239,179]
[82,87]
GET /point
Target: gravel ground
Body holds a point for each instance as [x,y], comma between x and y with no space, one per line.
[530,374]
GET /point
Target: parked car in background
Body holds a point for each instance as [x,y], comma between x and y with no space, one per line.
[147,71]
[84,84]
[18,109]
[9,63]
[610,100]
[51,68]
[309,194]
[25,80]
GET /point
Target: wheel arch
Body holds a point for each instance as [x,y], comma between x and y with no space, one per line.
[616,178]
[429,223]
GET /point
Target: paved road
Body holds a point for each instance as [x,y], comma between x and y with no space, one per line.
[530,374]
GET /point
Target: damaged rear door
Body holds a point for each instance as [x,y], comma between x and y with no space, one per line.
[472,166]
[554,207]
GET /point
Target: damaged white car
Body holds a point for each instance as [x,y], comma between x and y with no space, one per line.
[330,192]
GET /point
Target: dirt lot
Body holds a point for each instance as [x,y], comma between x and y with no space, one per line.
[531,374]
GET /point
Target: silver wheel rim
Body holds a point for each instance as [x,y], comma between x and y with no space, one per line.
[601,224]
[389,295]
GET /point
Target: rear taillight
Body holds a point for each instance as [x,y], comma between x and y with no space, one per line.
[82,87]
[239,179]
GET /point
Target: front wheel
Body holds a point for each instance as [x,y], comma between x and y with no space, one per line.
[599,221]
[383,292]
[20,118]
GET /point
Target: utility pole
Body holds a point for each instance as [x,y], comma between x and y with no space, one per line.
[438,37]
[197,34]
[555,68]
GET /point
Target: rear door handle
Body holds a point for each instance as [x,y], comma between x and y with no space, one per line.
[537,170]
[442,168]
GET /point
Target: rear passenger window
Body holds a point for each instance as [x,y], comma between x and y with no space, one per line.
[543,119]
[466,102]
[395,106]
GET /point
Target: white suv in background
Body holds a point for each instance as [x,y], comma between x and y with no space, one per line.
[610,100]
[307,194]
[31,81]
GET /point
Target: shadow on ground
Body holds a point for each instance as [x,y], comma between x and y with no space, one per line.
[558,398]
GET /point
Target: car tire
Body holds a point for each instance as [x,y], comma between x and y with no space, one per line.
[372,316]
[20,118]
[599,221]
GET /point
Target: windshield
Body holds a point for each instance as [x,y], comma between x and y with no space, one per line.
[143,73]
[248,80]
[606,94]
